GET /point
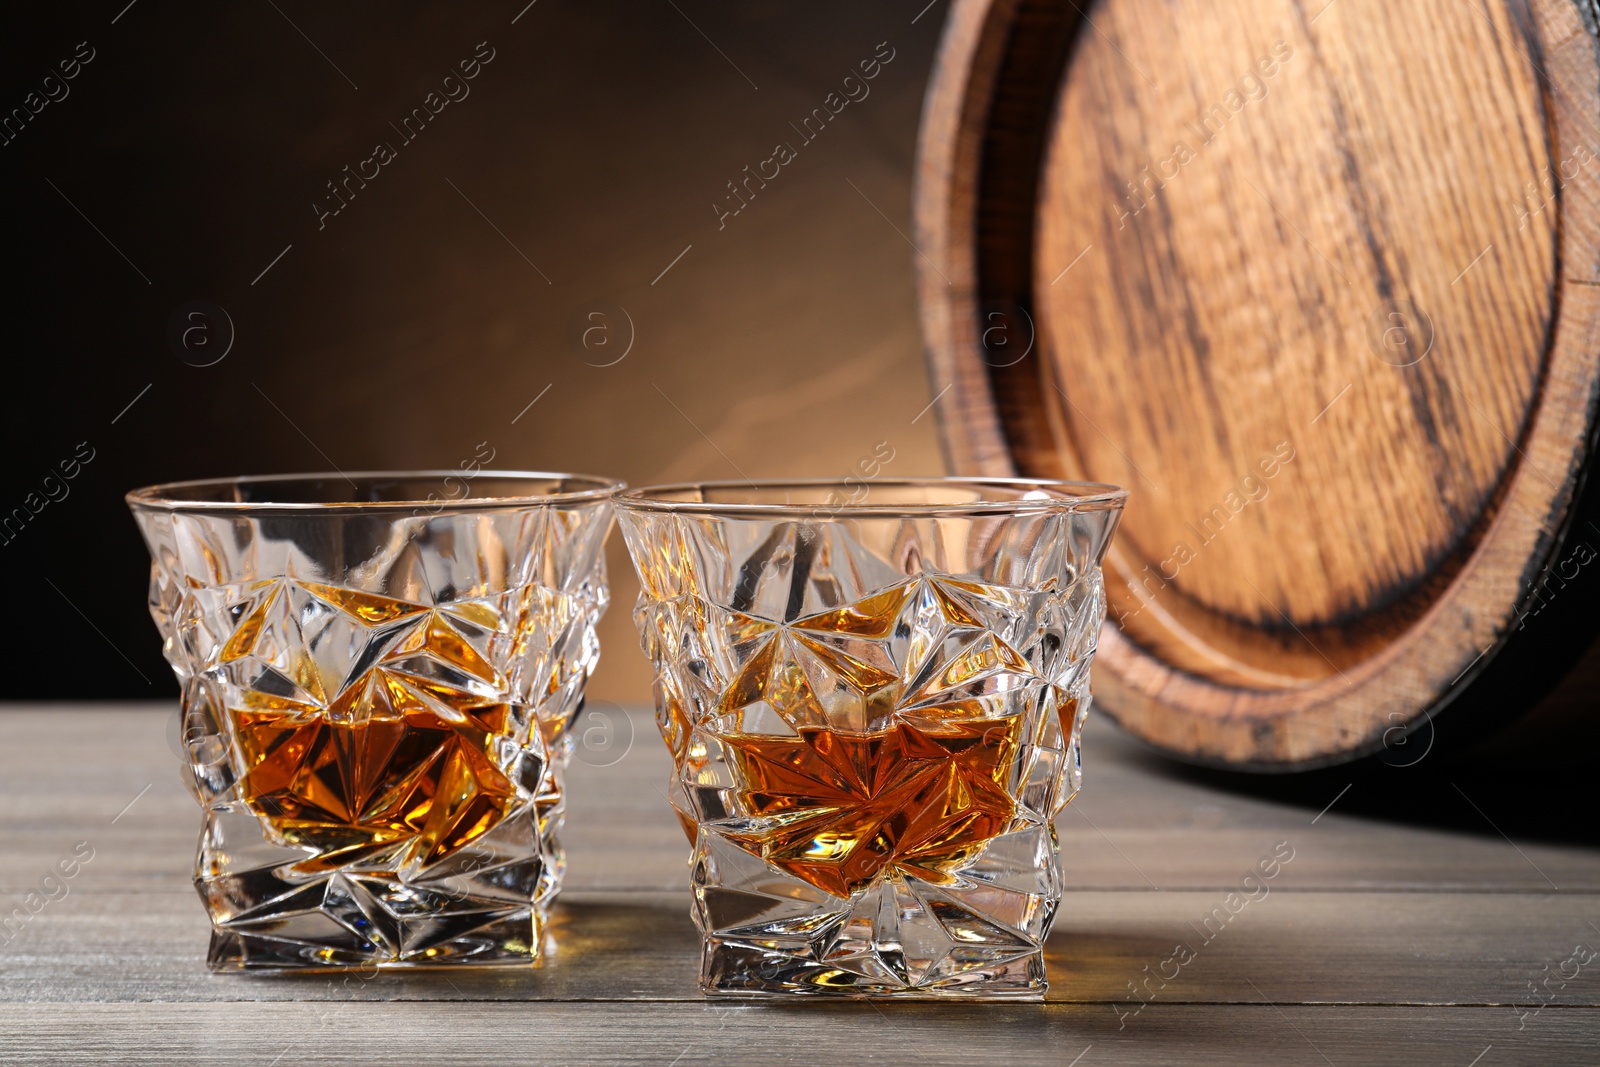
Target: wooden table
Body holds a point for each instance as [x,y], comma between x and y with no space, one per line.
[1380,941]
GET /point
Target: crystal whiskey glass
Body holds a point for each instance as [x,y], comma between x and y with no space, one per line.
[379,673]
[873,695]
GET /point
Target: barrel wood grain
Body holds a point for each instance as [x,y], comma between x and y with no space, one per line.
[1319,286]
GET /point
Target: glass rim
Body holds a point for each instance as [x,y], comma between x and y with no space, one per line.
[163,496]
[1052,497]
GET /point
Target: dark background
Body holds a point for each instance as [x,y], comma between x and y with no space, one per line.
[454,288]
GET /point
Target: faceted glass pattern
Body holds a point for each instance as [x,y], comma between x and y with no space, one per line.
[376,703]
[874,713]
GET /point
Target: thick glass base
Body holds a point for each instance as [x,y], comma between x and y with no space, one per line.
[975,935]
[276,907]
[510,941]
[742,969]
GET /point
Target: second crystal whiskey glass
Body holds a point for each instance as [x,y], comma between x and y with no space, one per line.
[873,710]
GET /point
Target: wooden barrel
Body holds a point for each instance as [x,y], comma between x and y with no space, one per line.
[1319,281]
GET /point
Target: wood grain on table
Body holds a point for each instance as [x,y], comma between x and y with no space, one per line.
[1416,938]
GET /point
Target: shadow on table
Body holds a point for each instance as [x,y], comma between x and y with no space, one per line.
[1470,797]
